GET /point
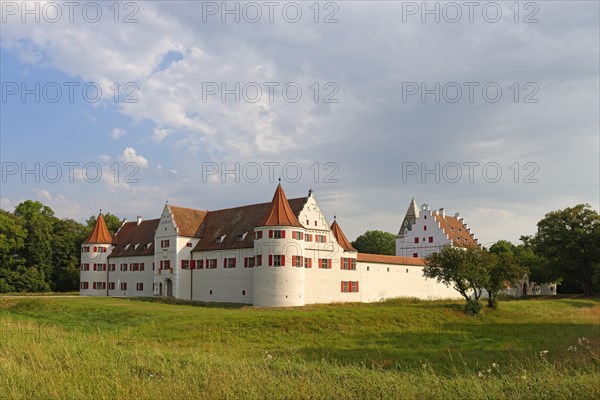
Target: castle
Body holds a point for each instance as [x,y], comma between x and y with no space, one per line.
[276,254]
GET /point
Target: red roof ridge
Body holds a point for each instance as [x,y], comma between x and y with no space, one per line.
[340,237]
[279,212]
[100,233]
[385,259]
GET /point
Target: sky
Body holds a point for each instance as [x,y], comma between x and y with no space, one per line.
[490,109]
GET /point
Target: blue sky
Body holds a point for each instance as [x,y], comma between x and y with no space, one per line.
[361,142]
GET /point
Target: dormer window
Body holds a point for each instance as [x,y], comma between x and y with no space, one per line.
[220,239]
[241,237]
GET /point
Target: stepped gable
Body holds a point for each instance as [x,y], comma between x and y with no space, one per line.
[340,237]
[135,240]
[236,225]
[187,220]
[279,212]
[100,234]
[384,259]
[411,216]
[456,230]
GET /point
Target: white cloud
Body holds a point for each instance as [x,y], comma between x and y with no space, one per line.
[130,155]
[43,194]
[117,133]
[159,134]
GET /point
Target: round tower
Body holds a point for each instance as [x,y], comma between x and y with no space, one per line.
[279,249]
[94,275]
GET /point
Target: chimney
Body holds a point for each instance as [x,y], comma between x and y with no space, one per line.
[442,212]
[457,215]
[139,220]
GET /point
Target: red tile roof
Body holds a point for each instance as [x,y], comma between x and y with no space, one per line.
[187,220]
[279,212]
[340,237]
[456,230]
[132,234]
[100,234]
[237,225]
[383,259]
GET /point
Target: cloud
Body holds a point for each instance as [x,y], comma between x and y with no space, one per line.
[117,133]
[43,193]
[130,155]
[159,134]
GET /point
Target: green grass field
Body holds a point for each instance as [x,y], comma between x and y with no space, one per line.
[111,348]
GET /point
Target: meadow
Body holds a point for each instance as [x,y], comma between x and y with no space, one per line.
[116,348]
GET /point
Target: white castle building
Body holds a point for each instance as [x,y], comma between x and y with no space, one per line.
[281,253]
[424,232]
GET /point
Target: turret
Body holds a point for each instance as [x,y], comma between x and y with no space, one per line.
[94,260]
[279,249]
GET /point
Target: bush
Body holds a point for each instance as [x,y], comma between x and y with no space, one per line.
[473,307]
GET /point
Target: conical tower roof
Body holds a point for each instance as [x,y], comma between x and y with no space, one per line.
[100,234]
[412,213]
[340,237]
[279,212]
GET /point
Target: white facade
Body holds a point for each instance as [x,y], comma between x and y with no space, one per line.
[283,265]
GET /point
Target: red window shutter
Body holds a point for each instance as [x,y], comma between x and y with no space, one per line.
[95,249]
[342,287]
[245,262]
[201,264]
[416,240]
[283,234]
[270,260]
[430,239]
[224,263]
[282,258]
[271,233]
[357,286]
[104,285]
[182,264]
[94,285]
[293,261]
[310,263]
[234,262]
[193,264]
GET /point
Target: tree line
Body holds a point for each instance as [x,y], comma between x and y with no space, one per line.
[40,252]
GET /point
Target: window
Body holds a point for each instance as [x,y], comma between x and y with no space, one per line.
[324,263]
[297,235]
[111,286]
[123,285]
[142,267]
[416,255]
[229,262]
[99,267]
[276,234]
[416,240]
[424,227]
[308,237]
[258,261]
[297,261]
[188,244]
[112,267]
[349,286]
[123,267]
[307,262]
[248,262]
[320,239]
[85,285]
[276,260]
[85,249]
[185,264]
[315,223]
[307,222]
[200,264]
[85,267]
[348,263]
[407,270]
[164,243]
[243,292]
[211,264]
[99,285]
[430,239]
[258,235]
[139,286]
[165,264]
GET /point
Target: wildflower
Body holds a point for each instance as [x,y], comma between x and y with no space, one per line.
[572,348]
[494,365]
[480,374]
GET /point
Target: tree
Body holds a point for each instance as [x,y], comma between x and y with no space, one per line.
[466,270]
[38,219]
[67,238]
[12,241]
[376,242]
[504,268]
[570,240]
[113,223]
